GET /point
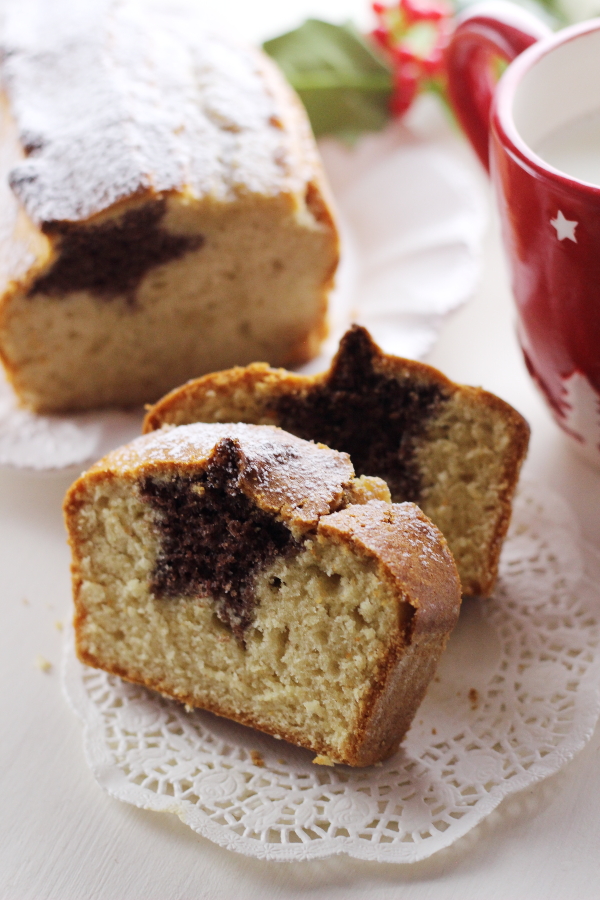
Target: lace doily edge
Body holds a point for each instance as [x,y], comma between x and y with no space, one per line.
[101,763]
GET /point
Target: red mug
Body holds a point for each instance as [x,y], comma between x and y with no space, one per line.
[538,133]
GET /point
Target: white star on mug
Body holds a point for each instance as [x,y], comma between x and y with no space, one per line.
[564,227]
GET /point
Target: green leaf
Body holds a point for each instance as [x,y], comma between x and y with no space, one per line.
[344,85]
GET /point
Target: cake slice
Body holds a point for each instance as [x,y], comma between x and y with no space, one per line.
[163,211]
[243,570]
[454,450]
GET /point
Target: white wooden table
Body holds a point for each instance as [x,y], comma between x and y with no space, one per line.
[62,837]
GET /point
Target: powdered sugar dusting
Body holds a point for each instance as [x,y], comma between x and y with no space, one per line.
[190,443]
[117,97]
[282,473]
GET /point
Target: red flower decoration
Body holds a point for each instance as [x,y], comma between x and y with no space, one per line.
[413,34]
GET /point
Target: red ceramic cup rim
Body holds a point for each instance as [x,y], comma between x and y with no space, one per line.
[502,121]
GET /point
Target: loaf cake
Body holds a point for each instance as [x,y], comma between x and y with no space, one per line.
[456,451]
[243,570]
[162,207]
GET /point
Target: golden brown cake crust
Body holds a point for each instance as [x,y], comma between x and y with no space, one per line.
[418,564]
[415,556]
[258,393]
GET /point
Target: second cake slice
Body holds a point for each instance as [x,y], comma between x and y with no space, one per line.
[454,450]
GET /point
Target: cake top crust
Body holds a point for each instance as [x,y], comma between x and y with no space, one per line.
[118,98]
[373,406]
[283,474]
[412,551]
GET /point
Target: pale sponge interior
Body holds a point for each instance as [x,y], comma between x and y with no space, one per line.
[465,484]
[255,289]
[324,622]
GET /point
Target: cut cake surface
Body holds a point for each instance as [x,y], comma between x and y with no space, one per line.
[243,570]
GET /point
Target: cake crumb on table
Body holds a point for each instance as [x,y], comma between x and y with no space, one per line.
[323,761]
[42,663]
[257,758]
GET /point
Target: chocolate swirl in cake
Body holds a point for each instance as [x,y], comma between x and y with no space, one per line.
[111,258]
[214,539]
[222,521]
[374,417]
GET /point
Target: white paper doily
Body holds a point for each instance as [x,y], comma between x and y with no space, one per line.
[30,441]
[516,696]
[412,216]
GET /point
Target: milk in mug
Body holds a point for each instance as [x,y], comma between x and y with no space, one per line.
[574,148]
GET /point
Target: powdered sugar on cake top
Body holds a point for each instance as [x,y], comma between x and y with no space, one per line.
[117,97]
[283,473]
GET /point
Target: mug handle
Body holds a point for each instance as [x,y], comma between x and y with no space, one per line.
[484,32]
